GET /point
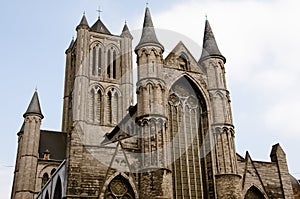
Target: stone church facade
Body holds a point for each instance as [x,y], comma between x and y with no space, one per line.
[176,142]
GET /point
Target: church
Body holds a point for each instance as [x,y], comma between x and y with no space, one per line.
[176,142]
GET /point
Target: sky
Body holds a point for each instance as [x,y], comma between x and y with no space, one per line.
[259,38]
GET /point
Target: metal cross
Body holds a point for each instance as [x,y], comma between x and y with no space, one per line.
[99,11]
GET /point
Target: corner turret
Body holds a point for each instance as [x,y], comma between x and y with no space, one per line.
[148,37]
[27,156]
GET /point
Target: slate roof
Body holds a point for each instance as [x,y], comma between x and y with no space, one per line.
[34,106]
[55,142]
[126,32]
[210,47]
[148,34]
[83,23]
[100,27]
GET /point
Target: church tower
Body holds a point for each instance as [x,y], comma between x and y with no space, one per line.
[222,127]
[98,92]
[151,114]
[27,156]
[98,83]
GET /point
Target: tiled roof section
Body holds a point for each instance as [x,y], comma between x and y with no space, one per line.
[126,32]
[210,47]
[100,27]
[148,35]
[55,143]
[34,106]
[83,23]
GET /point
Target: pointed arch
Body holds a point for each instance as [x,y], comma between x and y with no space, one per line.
[47,195]
[254,193]
[126,187]
[190,141]
[94,58]
[45,179]
[58,189]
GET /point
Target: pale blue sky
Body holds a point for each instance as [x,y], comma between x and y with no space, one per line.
[258,38]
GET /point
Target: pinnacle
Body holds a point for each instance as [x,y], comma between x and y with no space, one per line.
[83,23]
[148,35]
[210,47]
[126,32]
[34,106]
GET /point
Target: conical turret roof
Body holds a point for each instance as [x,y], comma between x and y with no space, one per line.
[71,45]
[210,47]
[100,27]
[34,106]
[148,35]
[83,23]
[126,32]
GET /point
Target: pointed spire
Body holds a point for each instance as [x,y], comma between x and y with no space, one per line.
[100,27]
[83,23]
[71,45]
[148,35]
[210,47]
[126,32]
[34,106]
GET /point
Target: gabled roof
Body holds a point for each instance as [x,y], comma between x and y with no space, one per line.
[100,27]
[210,47]
[34,106]
[148,34]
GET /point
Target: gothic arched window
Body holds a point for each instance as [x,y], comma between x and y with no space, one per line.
[112,106]
[183,62]
[114,65]
[191,163]
[99,61]
[108,64]
[95,101]
[254,193]
[45,178]
[58,189]
[94,61]
[119,188]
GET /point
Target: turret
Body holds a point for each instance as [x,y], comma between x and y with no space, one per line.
[150,85]
[222,126]
[155,176]
[27,156]
[126,78]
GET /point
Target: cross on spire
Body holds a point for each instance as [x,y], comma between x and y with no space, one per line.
[99,11]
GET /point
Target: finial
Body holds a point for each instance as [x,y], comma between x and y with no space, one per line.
[99,12]
[206,16]
[147,3]
[125,22]
[36,89]
[84,13]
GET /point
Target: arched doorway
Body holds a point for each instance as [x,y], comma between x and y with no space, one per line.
[254,193]
[58,189]
[119,188]
[188,128]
